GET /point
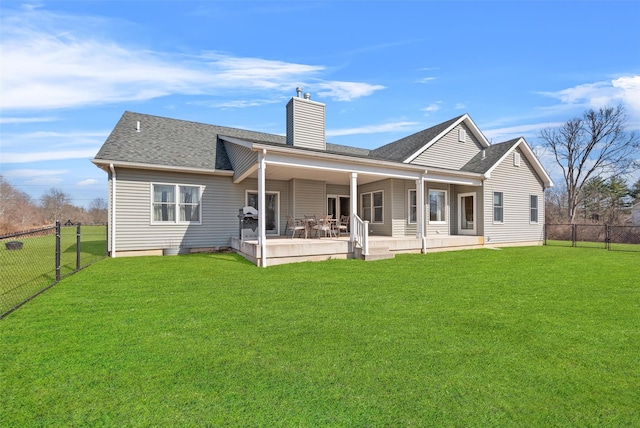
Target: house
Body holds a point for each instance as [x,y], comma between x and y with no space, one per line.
[175,183]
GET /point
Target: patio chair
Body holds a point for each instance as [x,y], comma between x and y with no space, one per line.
[324,225]
[342,225]
[294,226]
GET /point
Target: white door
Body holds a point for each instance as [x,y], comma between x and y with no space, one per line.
[467,213]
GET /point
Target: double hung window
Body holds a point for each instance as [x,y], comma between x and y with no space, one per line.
[174,203]
[498,207]
[413,206]
[533,208]
[372,207]
[437,206]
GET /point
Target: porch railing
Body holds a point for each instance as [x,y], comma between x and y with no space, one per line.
[361,234]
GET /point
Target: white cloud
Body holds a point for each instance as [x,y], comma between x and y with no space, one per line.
[426,80]
[372,129]
[30,173]
[88,182]
[622,90]
[8,120]
[60,61]
[432,107]
[460,106]
[47,156]
[346,91]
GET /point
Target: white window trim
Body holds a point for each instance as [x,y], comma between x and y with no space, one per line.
[267,192]
[493,207]
[446,205]
[409,206]
[372,206]
[537,210]
[176,204]
[516,159]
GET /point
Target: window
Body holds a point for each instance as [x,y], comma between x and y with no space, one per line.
[437,206]
[372,207]
[412,206]
[167,208]
[498,207]
[533,208]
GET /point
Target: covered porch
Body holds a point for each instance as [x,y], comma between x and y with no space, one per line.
[374,194]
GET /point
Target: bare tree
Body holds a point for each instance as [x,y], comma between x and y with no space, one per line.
[595,144]
[17,211]
[53,204]
[98,210]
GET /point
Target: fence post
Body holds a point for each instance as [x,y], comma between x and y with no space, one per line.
[57,250]
[607,237]
[78,247]
[573,235]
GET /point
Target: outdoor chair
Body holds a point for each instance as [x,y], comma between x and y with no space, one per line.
[324,225]
[342,225]
[294,226]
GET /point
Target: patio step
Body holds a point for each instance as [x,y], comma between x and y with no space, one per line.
[378,253]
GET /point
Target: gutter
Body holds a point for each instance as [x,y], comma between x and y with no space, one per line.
[113,210]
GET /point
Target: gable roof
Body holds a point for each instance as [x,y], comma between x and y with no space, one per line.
[492,155]
[408,148]
[496,153]
[148,141]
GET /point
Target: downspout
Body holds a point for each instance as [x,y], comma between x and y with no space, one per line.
[113,210]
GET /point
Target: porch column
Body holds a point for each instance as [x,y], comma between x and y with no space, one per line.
[353,201]
[421,214]
[262,216]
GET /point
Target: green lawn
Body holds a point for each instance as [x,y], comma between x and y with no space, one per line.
[25,272]
[519,337]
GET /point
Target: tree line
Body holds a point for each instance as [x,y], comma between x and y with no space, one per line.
[19,211]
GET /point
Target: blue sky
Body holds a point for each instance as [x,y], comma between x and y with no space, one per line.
[69,69]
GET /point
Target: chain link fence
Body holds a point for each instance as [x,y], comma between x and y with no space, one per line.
[613,238]
[33,261]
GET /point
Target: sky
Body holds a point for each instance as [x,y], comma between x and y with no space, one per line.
[384,69]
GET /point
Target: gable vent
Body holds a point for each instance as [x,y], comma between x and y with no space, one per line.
[516,159]
[462,135]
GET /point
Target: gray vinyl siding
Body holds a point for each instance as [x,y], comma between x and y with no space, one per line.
[438,228]
[448,152]
[399,206]
[338,189]
[516,184]
[306,124]
[309,198]
[221,200]
[241,158]
[385,228]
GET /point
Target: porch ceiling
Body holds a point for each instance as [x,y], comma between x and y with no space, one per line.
[286,173]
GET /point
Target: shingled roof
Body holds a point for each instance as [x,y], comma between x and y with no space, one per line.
[173,142]
[401,149]
[492,155]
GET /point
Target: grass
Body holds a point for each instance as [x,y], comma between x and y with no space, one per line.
[544,336]
[27,271]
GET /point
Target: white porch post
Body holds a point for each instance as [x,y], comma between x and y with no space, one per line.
[262,227]
[353,201]
[421,214]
